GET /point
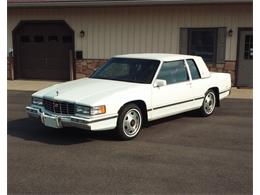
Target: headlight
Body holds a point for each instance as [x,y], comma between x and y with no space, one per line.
[37,101]
[87,110]
[84,110]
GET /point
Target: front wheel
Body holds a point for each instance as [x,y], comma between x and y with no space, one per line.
[209,103]
[129,122]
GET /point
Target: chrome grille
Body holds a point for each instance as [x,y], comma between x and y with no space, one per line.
[59,107]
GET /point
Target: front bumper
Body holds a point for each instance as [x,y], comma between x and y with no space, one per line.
[58,121]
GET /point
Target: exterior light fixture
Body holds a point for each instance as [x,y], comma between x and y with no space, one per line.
[230,32]
[82,33]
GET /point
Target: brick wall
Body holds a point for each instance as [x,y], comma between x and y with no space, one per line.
[10,65]
[85,67]
[228,67]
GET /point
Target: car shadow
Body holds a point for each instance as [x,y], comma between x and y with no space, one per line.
[32,130]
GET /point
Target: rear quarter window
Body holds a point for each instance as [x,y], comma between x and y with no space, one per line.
[195,74]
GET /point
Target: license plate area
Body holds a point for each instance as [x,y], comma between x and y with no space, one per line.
[51,121]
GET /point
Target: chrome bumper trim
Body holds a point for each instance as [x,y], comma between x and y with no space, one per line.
[67,121]
[33,112]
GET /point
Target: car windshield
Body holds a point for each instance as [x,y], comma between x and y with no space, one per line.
[127,69]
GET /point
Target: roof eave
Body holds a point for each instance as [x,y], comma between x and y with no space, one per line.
[121,3]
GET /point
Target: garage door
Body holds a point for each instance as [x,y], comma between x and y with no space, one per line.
[42,50]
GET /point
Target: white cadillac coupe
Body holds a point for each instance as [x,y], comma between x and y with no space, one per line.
[130,90]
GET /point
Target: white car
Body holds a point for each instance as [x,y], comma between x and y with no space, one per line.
[130,90]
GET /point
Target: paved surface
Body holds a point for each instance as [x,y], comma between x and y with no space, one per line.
[181,154]
[35,85]
[29,85]
[241,93]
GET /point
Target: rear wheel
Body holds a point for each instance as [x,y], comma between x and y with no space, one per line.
[129,122]
[209,103]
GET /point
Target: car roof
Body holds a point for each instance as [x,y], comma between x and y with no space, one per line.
[156,56]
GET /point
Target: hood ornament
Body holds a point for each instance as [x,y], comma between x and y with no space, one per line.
[57,93]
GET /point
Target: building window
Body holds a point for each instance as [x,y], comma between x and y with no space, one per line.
[203,42]
[248,54]
[25,39]
[38,38]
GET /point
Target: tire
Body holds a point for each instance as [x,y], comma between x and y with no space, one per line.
[129,122]
[209,103]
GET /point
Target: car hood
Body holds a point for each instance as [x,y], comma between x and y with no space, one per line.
[86,91]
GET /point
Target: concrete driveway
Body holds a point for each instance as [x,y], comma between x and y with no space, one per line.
[180,154]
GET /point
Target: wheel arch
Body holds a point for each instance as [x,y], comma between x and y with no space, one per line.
[142,105]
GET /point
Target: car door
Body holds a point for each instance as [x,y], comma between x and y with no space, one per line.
[197,84]
[175,97]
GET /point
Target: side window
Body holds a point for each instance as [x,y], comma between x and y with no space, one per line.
[195,74]
[173,72]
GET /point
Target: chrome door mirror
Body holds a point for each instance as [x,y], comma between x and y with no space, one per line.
[160,83]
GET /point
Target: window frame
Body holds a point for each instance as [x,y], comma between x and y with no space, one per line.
[215,42]
[185,66]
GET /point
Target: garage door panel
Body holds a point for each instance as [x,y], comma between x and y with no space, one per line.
[46,75]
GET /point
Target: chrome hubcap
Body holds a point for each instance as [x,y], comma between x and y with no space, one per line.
[209,102]
[132,122]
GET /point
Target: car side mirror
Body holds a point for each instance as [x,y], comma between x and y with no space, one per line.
[160,83]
